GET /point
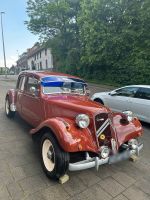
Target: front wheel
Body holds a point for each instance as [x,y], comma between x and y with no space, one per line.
[8,111]
[54,160]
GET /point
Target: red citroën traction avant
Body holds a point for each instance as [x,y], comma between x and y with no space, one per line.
[75,133]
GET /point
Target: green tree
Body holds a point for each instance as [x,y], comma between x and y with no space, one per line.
[97,39]
[55,21]
[115,39]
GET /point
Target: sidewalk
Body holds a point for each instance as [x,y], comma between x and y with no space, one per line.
[9,77]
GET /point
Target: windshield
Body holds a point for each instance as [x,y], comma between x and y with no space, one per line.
[64,86]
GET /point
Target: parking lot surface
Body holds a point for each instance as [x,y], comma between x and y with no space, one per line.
[21,176]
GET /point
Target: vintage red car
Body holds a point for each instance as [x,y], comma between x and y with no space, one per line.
[75,133]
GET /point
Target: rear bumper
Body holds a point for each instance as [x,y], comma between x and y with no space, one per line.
[96,161]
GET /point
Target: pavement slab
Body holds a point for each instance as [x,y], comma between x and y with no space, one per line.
[94,192]
[111,186]
[133,193]
[120,197]
[123,179]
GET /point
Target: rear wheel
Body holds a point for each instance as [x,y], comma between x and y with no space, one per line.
[99,101]
[54,160]
[8,111]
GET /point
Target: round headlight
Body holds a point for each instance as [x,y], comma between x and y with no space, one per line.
[104,152]
[133,143]
[82,120]
[129,115]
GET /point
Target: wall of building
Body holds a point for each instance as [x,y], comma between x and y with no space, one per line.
[41,60]
[22,62]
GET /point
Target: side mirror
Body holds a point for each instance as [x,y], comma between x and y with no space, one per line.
[112,93]
[33,91]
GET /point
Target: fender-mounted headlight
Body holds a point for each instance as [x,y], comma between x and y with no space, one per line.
[129,115]
[82,120]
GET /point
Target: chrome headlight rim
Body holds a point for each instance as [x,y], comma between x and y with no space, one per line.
[133,143]
[82,120]
[104,152]
[129,114]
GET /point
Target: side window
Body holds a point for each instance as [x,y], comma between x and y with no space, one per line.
[143,93]
[21,83]
[127,91]
[32,82]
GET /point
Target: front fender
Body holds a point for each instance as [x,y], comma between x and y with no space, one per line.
[70,137]
[128,131]
[11,94]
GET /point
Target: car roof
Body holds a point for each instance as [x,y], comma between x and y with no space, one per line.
[42,74]
[143,86]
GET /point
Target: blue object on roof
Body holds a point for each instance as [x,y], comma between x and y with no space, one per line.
[58,81]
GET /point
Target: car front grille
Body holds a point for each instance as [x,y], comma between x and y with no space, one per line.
[103,127]
[100,119]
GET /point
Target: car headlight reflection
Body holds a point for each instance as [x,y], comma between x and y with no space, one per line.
[129,115]
[82,120]
[104,152]
[133,143]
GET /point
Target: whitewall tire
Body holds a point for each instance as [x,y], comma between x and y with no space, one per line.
[54,160]
[8,111]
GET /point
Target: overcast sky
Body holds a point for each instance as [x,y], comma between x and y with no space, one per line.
[17,37]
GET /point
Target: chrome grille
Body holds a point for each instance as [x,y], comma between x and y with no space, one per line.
[100,120]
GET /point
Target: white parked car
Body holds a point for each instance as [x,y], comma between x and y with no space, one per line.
[135,98]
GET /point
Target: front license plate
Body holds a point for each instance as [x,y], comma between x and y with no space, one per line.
[119,157]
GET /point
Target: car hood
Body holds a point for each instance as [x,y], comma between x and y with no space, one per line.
[71,105]
[101,94]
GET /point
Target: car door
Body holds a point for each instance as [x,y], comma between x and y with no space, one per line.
[121,99]
[32,109]
[141,104]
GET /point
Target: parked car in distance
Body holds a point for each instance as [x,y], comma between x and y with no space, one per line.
[74,132]
[135,98]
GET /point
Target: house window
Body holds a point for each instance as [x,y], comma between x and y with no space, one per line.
[46,63]
[45,52]
[32,65]
[40,65]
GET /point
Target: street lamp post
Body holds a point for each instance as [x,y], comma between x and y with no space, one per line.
[3,44]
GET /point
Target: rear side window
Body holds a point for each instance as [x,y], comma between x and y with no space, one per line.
[21,83]
[127,91]
[143,93]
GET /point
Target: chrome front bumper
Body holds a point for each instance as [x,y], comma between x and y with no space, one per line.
[96,161]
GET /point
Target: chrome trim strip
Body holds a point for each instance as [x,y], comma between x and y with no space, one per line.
[102,130]
[103,125]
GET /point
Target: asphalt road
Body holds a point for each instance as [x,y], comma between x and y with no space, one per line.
[21,176]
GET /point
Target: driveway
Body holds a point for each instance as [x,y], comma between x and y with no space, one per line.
[21,176]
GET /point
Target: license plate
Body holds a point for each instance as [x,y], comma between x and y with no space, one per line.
[119,157]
